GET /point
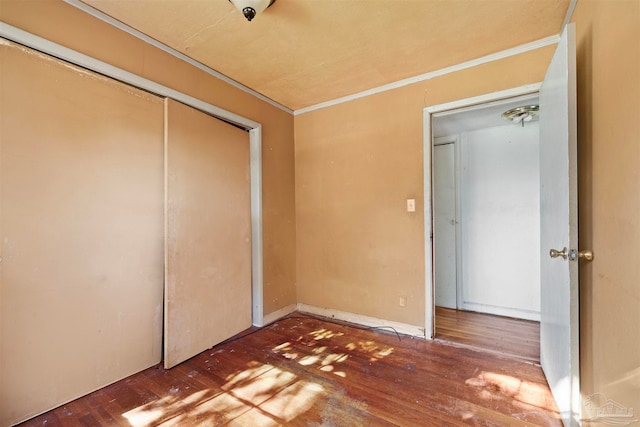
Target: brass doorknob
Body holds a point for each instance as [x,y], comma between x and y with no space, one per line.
[554,253]
[586,255]
[573,254]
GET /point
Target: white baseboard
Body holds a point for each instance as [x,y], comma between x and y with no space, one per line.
[273,316]
[402,328]
[502,311]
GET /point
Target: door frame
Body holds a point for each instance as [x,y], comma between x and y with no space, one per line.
[427,117]
[254,129]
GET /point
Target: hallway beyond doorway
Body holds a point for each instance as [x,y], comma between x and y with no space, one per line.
[514,337]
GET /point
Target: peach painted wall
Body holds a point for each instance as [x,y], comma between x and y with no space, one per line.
[70,27]
[608,64]
[356,164]
[359,250]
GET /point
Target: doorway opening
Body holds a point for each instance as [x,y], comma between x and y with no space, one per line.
[486,226]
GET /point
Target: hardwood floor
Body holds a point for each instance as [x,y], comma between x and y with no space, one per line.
[516,337]
[307,371]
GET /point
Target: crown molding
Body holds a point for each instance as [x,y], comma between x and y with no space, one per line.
[547,41]
[171,51]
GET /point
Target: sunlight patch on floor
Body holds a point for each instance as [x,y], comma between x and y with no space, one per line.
[325,357]
[294,400]
[321,334]
[525,392]
[142,417]
[309,360]
[261,395]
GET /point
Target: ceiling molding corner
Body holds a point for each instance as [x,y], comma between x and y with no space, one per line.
[567,18]
[171,51]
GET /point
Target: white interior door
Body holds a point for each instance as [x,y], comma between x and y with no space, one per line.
[559,333]
[208,235]
[444,211]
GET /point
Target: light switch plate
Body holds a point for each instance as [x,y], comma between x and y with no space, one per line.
[411,205]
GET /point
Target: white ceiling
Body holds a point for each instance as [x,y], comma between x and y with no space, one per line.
[478,117]
[304,52]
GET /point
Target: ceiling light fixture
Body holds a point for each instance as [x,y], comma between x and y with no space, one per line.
[522,114]
[250,8]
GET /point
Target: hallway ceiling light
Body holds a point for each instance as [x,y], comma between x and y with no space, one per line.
[522,114]
[250,8]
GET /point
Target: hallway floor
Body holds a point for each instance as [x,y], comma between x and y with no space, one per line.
[505,335]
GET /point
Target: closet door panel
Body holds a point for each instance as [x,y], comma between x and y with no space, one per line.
[208,234]
[81,231]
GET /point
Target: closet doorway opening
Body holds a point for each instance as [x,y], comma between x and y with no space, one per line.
[486,227]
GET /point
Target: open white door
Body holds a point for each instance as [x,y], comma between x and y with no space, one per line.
[559,333]
[444,217]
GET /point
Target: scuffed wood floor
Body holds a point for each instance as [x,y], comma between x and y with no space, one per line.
[306,371]
[515,337]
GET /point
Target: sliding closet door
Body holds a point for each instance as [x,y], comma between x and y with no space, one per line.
[208,232]
[81,202]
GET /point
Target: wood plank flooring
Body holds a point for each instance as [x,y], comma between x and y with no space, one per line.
[515,337]
[307,371]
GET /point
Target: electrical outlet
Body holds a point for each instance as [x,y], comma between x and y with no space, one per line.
[402,301]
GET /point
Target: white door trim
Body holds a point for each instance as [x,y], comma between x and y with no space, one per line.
[427,113]
[254,128]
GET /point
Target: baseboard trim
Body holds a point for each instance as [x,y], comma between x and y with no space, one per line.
[502,311]
[278,314]
[402,328]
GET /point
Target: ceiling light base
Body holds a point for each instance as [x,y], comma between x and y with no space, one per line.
[522,114]
[251,8]
[249,13]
